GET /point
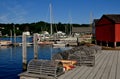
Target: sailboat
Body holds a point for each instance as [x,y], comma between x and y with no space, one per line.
[6,42]
[45,41]
[55,45]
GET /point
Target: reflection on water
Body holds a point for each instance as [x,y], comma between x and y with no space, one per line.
[11,59]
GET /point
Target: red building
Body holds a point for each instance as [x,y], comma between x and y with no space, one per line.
[108,30]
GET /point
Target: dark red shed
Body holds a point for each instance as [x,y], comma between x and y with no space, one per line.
[108,30]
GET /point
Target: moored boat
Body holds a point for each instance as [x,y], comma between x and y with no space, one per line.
[45,43]
[59,45]
[5,43]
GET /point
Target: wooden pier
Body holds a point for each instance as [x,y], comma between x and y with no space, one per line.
[107,66]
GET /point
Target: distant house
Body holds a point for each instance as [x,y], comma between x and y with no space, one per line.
[108,30]
[81,30]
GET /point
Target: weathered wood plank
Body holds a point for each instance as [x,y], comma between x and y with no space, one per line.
[96,68]
[82,69]
[108,66]
[114,65]
[118,67]
[89,69]
[102,67]
[80,73]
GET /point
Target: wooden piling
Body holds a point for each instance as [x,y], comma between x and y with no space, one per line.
[114,44]
[35,37]
[107,43]
[77,41]
[24,52]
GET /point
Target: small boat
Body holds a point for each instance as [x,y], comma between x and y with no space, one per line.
[28,44]
[45,43]
[5,43]
[59,45]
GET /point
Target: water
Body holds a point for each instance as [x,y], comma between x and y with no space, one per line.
[11,59]
[17,39]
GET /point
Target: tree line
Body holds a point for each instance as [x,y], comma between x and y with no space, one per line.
[37,27]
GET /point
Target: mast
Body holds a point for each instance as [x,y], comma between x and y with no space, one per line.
[11,35]
[14,34]
[51,30]
[50,18]
[91,22]
[70,23]
[91,19]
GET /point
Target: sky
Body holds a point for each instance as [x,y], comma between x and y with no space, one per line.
[64,11]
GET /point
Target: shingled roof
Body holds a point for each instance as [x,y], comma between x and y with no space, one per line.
[113,17]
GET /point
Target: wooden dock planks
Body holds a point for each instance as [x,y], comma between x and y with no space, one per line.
[112,74]
[118,67]
[88,72]
[107,66]
[96,68]
[88,69]
[101,69]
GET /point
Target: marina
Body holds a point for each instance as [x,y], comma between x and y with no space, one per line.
[11,58]
[105,66]
[90,62]
[50,39]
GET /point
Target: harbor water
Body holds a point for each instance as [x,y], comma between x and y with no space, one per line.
[11,58]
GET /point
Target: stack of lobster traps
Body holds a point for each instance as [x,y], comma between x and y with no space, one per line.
[83,55]
[43,69]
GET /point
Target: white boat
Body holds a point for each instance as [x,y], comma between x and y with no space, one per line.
[28,44]
[5,43]
[45,43]
[58,45]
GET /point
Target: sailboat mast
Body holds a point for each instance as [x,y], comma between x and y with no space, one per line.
[50,18]
[10,35]
[70,23]
[14,34]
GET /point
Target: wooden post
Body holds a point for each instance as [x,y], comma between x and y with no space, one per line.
[51,52]
[77,41]
[114,44]
[96,42]
[101,43]
[107,43]
[35,37]
[24,52]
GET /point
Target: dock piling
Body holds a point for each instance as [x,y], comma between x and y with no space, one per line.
[35,37]
[24,52]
